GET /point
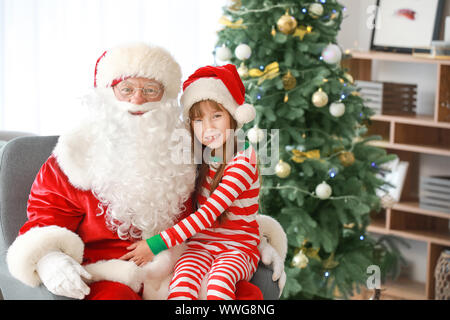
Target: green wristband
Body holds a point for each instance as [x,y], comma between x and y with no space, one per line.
[156,244]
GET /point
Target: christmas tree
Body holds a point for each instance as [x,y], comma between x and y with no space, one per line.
[324,186]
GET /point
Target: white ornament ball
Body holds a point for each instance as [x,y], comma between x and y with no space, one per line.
[243,51]
[323,190]
[282,169]
[255,135]
[223,53]
[332,54]
[337,109]
[315,10]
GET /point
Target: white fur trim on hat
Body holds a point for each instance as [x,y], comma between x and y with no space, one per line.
[140,60]
[214,89]
[245,113]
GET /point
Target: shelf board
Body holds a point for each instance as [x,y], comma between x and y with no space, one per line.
[378,226]
[418,235]
[414,207]
[400,289]
[412,148]
[398,57]
[418,120]
[405,289]
[423,235]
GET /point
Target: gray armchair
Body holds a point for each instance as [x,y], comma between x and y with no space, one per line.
[20,161]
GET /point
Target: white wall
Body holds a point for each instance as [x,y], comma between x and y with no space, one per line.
[355,34]
[48,50]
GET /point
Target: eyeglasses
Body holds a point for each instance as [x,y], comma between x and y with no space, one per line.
[149,91]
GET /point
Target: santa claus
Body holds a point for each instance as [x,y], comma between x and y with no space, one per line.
[112,181]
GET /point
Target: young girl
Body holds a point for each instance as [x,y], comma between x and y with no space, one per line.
[223,233]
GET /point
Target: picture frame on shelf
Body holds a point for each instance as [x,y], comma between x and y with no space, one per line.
[406,26]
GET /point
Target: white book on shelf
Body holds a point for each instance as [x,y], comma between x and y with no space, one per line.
[396,175]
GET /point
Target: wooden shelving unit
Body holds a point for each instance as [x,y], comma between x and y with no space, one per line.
[408,137]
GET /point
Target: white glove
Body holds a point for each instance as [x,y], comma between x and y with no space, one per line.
[271,258]
[61,274]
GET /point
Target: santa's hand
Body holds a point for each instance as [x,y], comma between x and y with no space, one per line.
[270,257]
[140,254]
[61,274]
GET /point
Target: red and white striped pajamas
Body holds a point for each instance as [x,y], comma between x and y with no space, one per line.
[227,250]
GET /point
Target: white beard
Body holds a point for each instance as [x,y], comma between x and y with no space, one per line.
[130,167]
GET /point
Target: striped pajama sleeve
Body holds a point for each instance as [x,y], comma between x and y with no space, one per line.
[237,178]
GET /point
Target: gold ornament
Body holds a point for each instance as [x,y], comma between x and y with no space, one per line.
[286,98]
[300,156]
[270,71]
[287,23]
[243,70]
[320,98]
[349,77]
[289,81]
[347,158]
[282,169]
[300,260]
[301,31]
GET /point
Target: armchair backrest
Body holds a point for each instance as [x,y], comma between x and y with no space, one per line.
[20,161]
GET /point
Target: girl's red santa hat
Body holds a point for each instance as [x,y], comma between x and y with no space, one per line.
[138,60]
[221,84]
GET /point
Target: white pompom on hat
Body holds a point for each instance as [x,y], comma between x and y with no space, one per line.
[221,84]
[138,60]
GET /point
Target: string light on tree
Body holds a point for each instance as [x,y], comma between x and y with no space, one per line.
[323,190]
[332,173]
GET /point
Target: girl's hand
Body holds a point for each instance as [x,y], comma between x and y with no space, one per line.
[140,255]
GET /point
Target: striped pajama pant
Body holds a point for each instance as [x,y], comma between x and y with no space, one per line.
[225,268]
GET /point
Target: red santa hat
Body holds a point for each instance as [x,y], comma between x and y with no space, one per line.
[221,84]
[138,60]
